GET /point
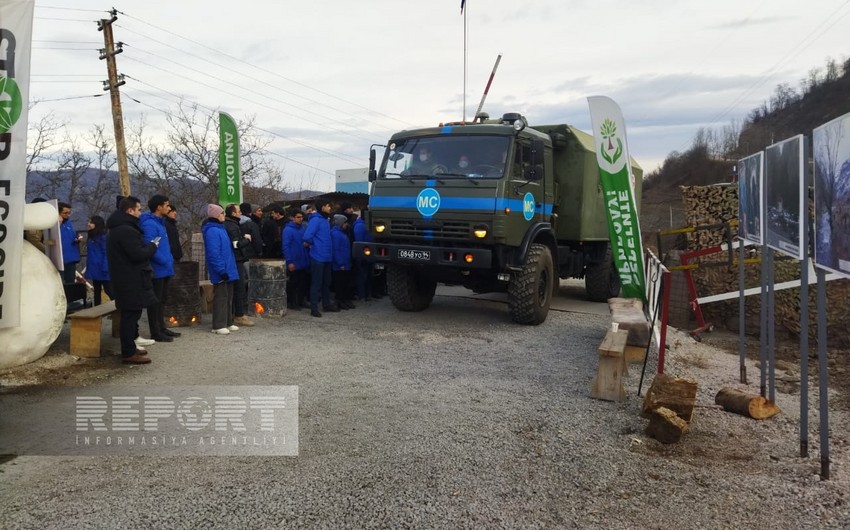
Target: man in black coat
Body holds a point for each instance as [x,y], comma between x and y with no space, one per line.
[271,230]
[242,249]
[131,274]
[173,234]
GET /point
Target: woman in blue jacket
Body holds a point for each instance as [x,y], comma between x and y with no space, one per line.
[97,268]
[221,265]
[297,260]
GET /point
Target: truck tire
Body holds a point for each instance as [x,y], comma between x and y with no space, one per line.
[408,290]
[601,280]
[530,291]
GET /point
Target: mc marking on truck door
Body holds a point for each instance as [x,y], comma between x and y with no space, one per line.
[428,202]
[528,206]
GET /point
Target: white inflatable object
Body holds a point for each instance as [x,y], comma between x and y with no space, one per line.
[43,306]
[40,216]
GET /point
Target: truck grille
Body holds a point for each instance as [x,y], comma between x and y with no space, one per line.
[436,229]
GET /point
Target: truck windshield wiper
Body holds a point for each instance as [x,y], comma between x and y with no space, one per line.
[470,178]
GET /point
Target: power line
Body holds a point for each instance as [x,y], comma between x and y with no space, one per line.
[65,99]
[167,113]
[71,9]
[370,139]
[241,61]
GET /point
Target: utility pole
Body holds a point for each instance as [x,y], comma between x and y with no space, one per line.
[109,52]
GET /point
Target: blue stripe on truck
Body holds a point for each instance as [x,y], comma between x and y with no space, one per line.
[457,203]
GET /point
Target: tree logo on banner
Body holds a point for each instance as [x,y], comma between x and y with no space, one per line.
[11,104]
[608,130]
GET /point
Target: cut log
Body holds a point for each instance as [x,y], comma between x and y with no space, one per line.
[755,407]
[665,426]
[674,393]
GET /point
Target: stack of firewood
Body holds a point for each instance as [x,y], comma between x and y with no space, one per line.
[709,205]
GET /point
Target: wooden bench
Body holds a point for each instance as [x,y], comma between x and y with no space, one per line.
[86,328]
[206,292]
[608,383]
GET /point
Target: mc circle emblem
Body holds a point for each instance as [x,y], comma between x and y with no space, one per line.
[528,206]
[428,202]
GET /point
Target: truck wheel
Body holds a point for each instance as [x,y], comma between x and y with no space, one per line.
[530,291]
[408,290]
[601,280]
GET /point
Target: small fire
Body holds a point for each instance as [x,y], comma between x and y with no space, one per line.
[173,320]
[258,308]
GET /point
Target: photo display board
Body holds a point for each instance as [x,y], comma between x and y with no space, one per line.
[751,198]
[784,196]
[831,153]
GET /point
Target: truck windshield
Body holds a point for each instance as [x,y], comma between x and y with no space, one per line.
[446,156]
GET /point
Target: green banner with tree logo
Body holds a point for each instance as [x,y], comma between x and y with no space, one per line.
[615,173]
[229,178]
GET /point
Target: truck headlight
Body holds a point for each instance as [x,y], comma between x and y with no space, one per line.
[480,231]
[380,226]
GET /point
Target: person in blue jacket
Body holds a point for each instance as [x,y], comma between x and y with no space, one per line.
[221,266]
[363,280]
[317,238]
[341,262]
[153,228]
[70,244]
[97,267]
[297,260]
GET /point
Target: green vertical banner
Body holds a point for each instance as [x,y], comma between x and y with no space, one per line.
[618,182]
[15,48]
[229,178]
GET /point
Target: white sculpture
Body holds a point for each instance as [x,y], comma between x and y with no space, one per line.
[43,303]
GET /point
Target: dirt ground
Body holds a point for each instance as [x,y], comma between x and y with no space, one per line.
[788,350]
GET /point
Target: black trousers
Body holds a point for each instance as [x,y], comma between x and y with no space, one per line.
[98,285]
[222,310]
[297,286]
[342,285]
[128,331]
[240,289]
[156,312]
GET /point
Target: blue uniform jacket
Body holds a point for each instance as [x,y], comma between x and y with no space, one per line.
[97,267]
[318,236]
[293,246]
[70,247]
[162,262]
[341,250]
[219,252]
[361,231]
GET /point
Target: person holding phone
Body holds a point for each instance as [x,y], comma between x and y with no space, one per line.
[153,228]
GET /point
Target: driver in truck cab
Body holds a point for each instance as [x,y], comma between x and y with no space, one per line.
[422,163]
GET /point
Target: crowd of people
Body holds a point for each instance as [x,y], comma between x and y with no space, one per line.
[130,256]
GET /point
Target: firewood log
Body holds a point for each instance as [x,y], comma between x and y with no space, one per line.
[751,406]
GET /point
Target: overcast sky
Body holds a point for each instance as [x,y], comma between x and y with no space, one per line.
[327,78]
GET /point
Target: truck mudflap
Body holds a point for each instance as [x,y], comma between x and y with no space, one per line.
[459,257]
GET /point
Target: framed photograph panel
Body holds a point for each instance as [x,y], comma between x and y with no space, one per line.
[831,153]
[784,196]
[751,198]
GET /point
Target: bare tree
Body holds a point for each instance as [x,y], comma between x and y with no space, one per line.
[41,139]
[827,169]
[101,184]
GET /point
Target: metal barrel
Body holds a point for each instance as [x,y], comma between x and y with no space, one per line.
[267,287]
[184,298]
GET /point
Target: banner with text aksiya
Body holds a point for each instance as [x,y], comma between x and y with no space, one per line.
[229,179]
[15,47]
[615,174]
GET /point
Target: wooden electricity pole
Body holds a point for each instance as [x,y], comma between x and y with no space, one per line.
[109,52]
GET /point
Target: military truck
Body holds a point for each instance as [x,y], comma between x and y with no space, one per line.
[495,205]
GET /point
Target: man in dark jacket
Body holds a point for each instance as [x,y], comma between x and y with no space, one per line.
[271,230]
[129,258]
[173,234]
[240,242]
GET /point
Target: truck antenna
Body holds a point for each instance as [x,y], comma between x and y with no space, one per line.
[486,90]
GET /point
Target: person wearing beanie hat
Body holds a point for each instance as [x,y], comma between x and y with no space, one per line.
[214,211]
[221,265]
[341,262]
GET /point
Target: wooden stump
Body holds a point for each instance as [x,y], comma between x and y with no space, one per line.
[665,426]
[674,393]
[755,407]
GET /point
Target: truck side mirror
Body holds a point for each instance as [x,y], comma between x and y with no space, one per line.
[373,175]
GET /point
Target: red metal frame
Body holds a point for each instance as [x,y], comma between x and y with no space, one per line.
[692,288]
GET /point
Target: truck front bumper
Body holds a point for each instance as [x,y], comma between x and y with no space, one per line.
[457,257]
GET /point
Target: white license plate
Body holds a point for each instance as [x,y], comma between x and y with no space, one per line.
[419,255]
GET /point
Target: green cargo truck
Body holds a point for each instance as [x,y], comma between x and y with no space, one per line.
[495,206]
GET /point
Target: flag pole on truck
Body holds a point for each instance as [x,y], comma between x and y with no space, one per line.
[486,89]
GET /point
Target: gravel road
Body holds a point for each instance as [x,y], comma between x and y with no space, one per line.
[454,417]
